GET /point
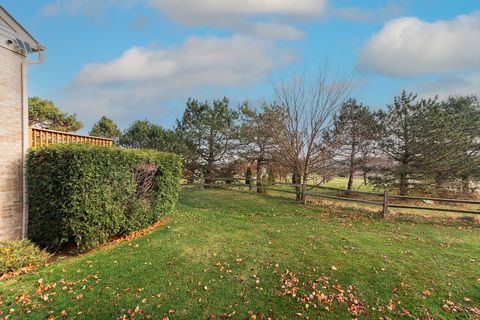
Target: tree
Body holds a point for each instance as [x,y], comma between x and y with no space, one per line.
[352,135]
[210,132]
[143,134]
[46,115]
[403,137]
[106,128]
[452,160]
[256,136]
[308,109]
[429,143]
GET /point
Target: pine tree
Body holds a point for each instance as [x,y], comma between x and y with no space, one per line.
[256,136]
[351,137]
[452,160]
[402,137]
[210,132]
[105,128]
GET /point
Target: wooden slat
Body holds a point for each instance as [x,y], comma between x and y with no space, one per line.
[436,199]
[42,137]
[432,209]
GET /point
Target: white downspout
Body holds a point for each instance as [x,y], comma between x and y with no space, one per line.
[25,62]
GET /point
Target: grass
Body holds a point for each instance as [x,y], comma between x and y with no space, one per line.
[341,183]
[225,254]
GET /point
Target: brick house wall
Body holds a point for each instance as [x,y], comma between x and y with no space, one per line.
[16,46]
[11,145]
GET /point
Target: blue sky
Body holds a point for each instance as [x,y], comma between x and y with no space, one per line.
[137,59]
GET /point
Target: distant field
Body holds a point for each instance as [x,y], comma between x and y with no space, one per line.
[341,183]
[226,254]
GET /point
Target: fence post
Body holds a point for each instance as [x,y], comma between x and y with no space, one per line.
[385,203]
[250,182]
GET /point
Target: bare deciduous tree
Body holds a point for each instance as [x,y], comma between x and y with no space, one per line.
[308,105]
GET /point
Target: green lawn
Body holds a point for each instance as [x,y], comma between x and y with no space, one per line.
[226,254]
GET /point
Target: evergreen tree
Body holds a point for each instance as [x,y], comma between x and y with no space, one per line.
[403,140]
[256,136]
[143,134]
[210,132]
[352,137]
[452,160]
[105,128]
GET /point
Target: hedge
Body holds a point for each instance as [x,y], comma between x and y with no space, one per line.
[85,195]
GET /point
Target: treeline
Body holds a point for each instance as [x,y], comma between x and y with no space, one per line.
[314,131]
[415,144]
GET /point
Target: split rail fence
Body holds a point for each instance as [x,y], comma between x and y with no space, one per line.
[383,199]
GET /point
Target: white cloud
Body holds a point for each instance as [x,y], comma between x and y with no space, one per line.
[271,30]
[408,47]
[145,78]
[89,8]
[250,17]
[255,17]
[452,85]
[380,14]
[50,10]
[203,11]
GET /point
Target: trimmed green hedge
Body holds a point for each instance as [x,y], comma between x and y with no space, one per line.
[85,195]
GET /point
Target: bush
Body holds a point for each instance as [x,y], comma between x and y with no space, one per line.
[15,255]
[85,195]
[248,175]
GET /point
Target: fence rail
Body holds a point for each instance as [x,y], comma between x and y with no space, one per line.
[43,137]
[384,200]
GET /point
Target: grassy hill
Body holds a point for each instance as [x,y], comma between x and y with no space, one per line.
[227,254]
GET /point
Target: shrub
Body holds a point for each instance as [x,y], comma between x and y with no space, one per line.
[85,195]
[248,175]
[15,255]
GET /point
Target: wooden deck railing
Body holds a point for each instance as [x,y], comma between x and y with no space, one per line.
[43,137]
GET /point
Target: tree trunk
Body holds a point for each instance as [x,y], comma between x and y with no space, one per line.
[296,180]
[351,168]
[260,172]
[209,173]
[403,184]
[364,178]
[304,190]
[350,178]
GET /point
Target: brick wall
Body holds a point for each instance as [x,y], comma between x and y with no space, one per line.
[11,145]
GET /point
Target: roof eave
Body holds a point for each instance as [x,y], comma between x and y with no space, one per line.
[38,46]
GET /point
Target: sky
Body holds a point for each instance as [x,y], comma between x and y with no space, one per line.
[142,59]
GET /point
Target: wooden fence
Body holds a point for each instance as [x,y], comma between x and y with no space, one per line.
[383,199]
[43,137]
